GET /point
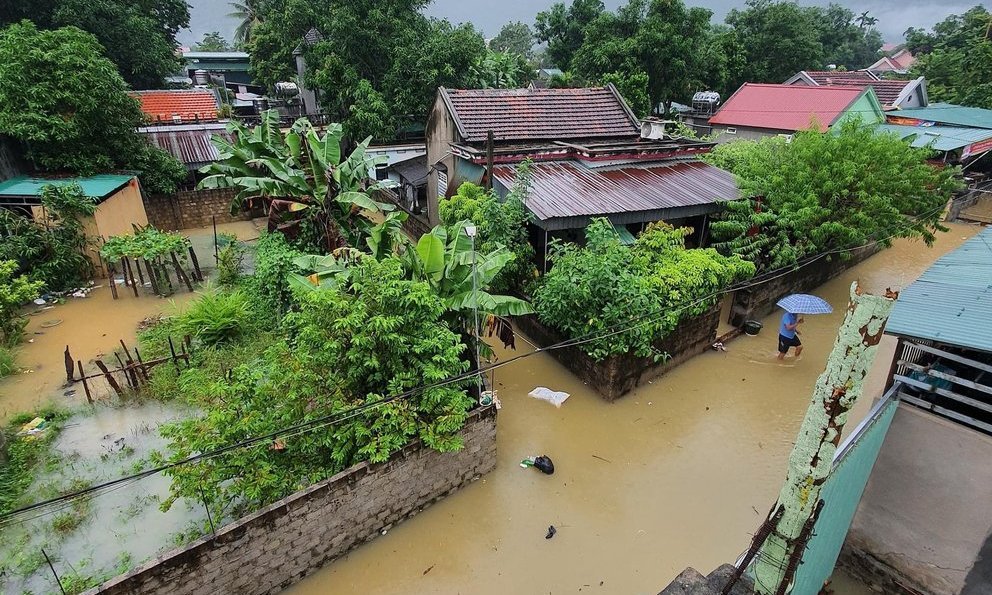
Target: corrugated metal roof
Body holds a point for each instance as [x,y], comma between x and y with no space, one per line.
[940,138]
[413,170]
[98,187]
[952,302]
[541,114]
[948,113]
[566,190]
[785,107]
[189,143]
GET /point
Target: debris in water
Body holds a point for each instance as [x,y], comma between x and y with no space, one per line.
[542,463]
[602,459]
[40,302]
[429,569]
[719,346]
[546,394]
[551,532]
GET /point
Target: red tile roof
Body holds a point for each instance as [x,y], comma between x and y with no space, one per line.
[820,76]
[189,143]
[541,114]
[188,104]
[567,189]
[785,107]
[888,91]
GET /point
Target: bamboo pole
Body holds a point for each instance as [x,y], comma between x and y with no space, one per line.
[151,277]
[836,391]
[86,386]
[180,273]
[130,276]
[110,378]
[196,264]
[70,372]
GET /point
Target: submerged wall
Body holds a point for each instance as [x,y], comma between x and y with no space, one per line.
[617,375]
[279,545]
[190,209]
[924,521]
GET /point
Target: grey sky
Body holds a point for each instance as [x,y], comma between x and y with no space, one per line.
[894,17]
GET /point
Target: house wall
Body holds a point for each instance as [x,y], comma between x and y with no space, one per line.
[744,133]
[925,516]
[870,112]
[115,216]
[190,209]
[441,132]
[281,544]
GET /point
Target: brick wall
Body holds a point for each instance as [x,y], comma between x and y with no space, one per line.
[279,545]
[759,301]
[189,209]
[617,375]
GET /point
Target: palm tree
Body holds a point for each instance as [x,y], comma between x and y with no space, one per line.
[865,20]
[249,14]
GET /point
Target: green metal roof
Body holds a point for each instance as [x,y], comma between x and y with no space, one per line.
[98,187]
[940,138]
[952,302]
[948,113]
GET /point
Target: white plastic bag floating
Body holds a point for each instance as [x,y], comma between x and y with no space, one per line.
[546,394]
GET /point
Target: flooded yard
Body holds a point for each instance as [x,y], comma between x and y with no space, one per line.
[678,473]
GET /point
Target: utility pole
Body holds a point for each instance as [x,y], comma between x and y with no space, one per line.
[836,391]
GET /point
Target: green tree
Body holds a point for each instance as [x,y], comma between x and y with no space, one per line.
[69,108]
[248,13]
[778,40]
[848,42]
[824,192]
[15,291]
[956,58]
[562,28]
[381,336]
[139,36]
[501,70]
[633,86]
[514,38]
[213,42]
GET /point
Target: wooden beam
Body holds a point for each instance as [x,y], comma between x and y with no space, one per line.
[944,393]
[948,377]
[954,358]
[947,412]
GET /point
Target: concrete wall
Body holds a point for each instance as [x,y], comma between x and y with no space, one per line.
[926,514]
[757,302]
[617,375]
[744,133]
[191,208]
[279,545]
[441,132]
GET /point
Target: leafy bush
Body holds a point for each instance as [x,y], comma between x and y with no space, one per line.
[273,265]
[8,361]
[230,260]
[52,251]
[14,293]
[822,192]
[605,284]
[499,223]
[382,336]
[216,317]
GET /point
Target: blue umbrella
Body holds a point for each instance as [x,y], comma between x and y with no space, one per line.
[801,303]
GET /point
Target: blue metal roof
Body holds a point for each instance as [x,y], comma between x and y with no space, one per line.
[940,138]
[948,113]
[952,302]
[99,186]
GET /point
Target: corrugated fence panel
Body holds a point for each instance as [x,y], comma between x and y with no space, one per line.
[841,495]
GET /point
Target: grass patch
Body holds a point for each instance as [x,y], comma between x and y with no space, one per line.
[8,361]
[21,454]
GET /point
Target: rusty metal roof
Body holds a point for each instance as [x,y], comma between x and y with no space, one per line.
[540,114]
[566,194]
[189,143]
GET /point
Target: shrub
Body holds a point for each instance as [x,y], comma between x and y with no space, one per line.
[14,293]
[216,317]
[230,260]
[270,292]
[602,286]
[8,361]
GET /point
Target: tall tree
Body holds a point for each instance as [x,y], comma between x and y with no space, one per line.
[563,29]
[67,105]
[515,38]
[956,58]
[213,42]
[248,14]
[778,39]
[139,36]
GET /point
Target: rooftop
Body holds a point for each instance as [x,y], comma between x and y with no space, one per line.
[189,143]
[786,107]
[98,187]
[186,104]
[821,77]
[940,138]
[540,114]
[216,56]
[952,302]
[565,194]
[948,113]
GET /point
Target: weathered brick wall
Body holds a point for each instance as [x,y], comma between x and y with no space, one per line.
[189,209]
[617,375]
[759,301]
[282,543]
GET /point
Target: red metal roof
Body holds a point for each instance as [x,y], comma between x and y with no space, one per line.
[541,114]
[189,105]
[785,107]
[568,189]
[189,143]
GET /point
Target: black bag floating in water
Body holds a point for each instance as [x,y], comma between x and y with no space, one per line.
[544,464]
[551,532]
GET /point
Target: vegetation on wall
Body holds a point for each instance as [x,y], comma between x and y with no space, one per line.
[823,192]
[53,249]
[603,285]
[68,108]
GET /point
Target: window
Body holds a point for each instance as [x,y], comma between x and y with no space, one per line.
[731,131]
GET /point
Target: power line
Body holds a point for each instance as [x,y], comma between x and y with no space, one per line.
[342,416]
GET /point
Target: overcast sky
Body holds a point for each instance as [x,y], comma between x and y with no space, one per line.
[894,17]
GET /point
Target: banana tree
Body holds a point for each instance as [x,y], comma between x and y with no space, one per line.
[300,176]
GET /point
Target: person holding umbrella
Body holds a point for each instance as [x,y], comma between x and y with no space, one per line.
[788,331]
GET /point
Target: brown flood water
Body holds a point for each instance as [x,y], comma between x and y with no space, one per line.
[678,473]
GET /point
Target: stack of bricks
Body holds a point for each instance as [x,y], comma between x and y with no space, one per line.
[281,544]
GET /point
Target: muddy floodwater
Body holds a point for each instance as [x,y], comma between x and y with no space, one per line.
[678,473]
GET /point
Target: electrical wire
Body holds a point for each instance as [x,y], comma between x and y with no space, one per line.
[49,506]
